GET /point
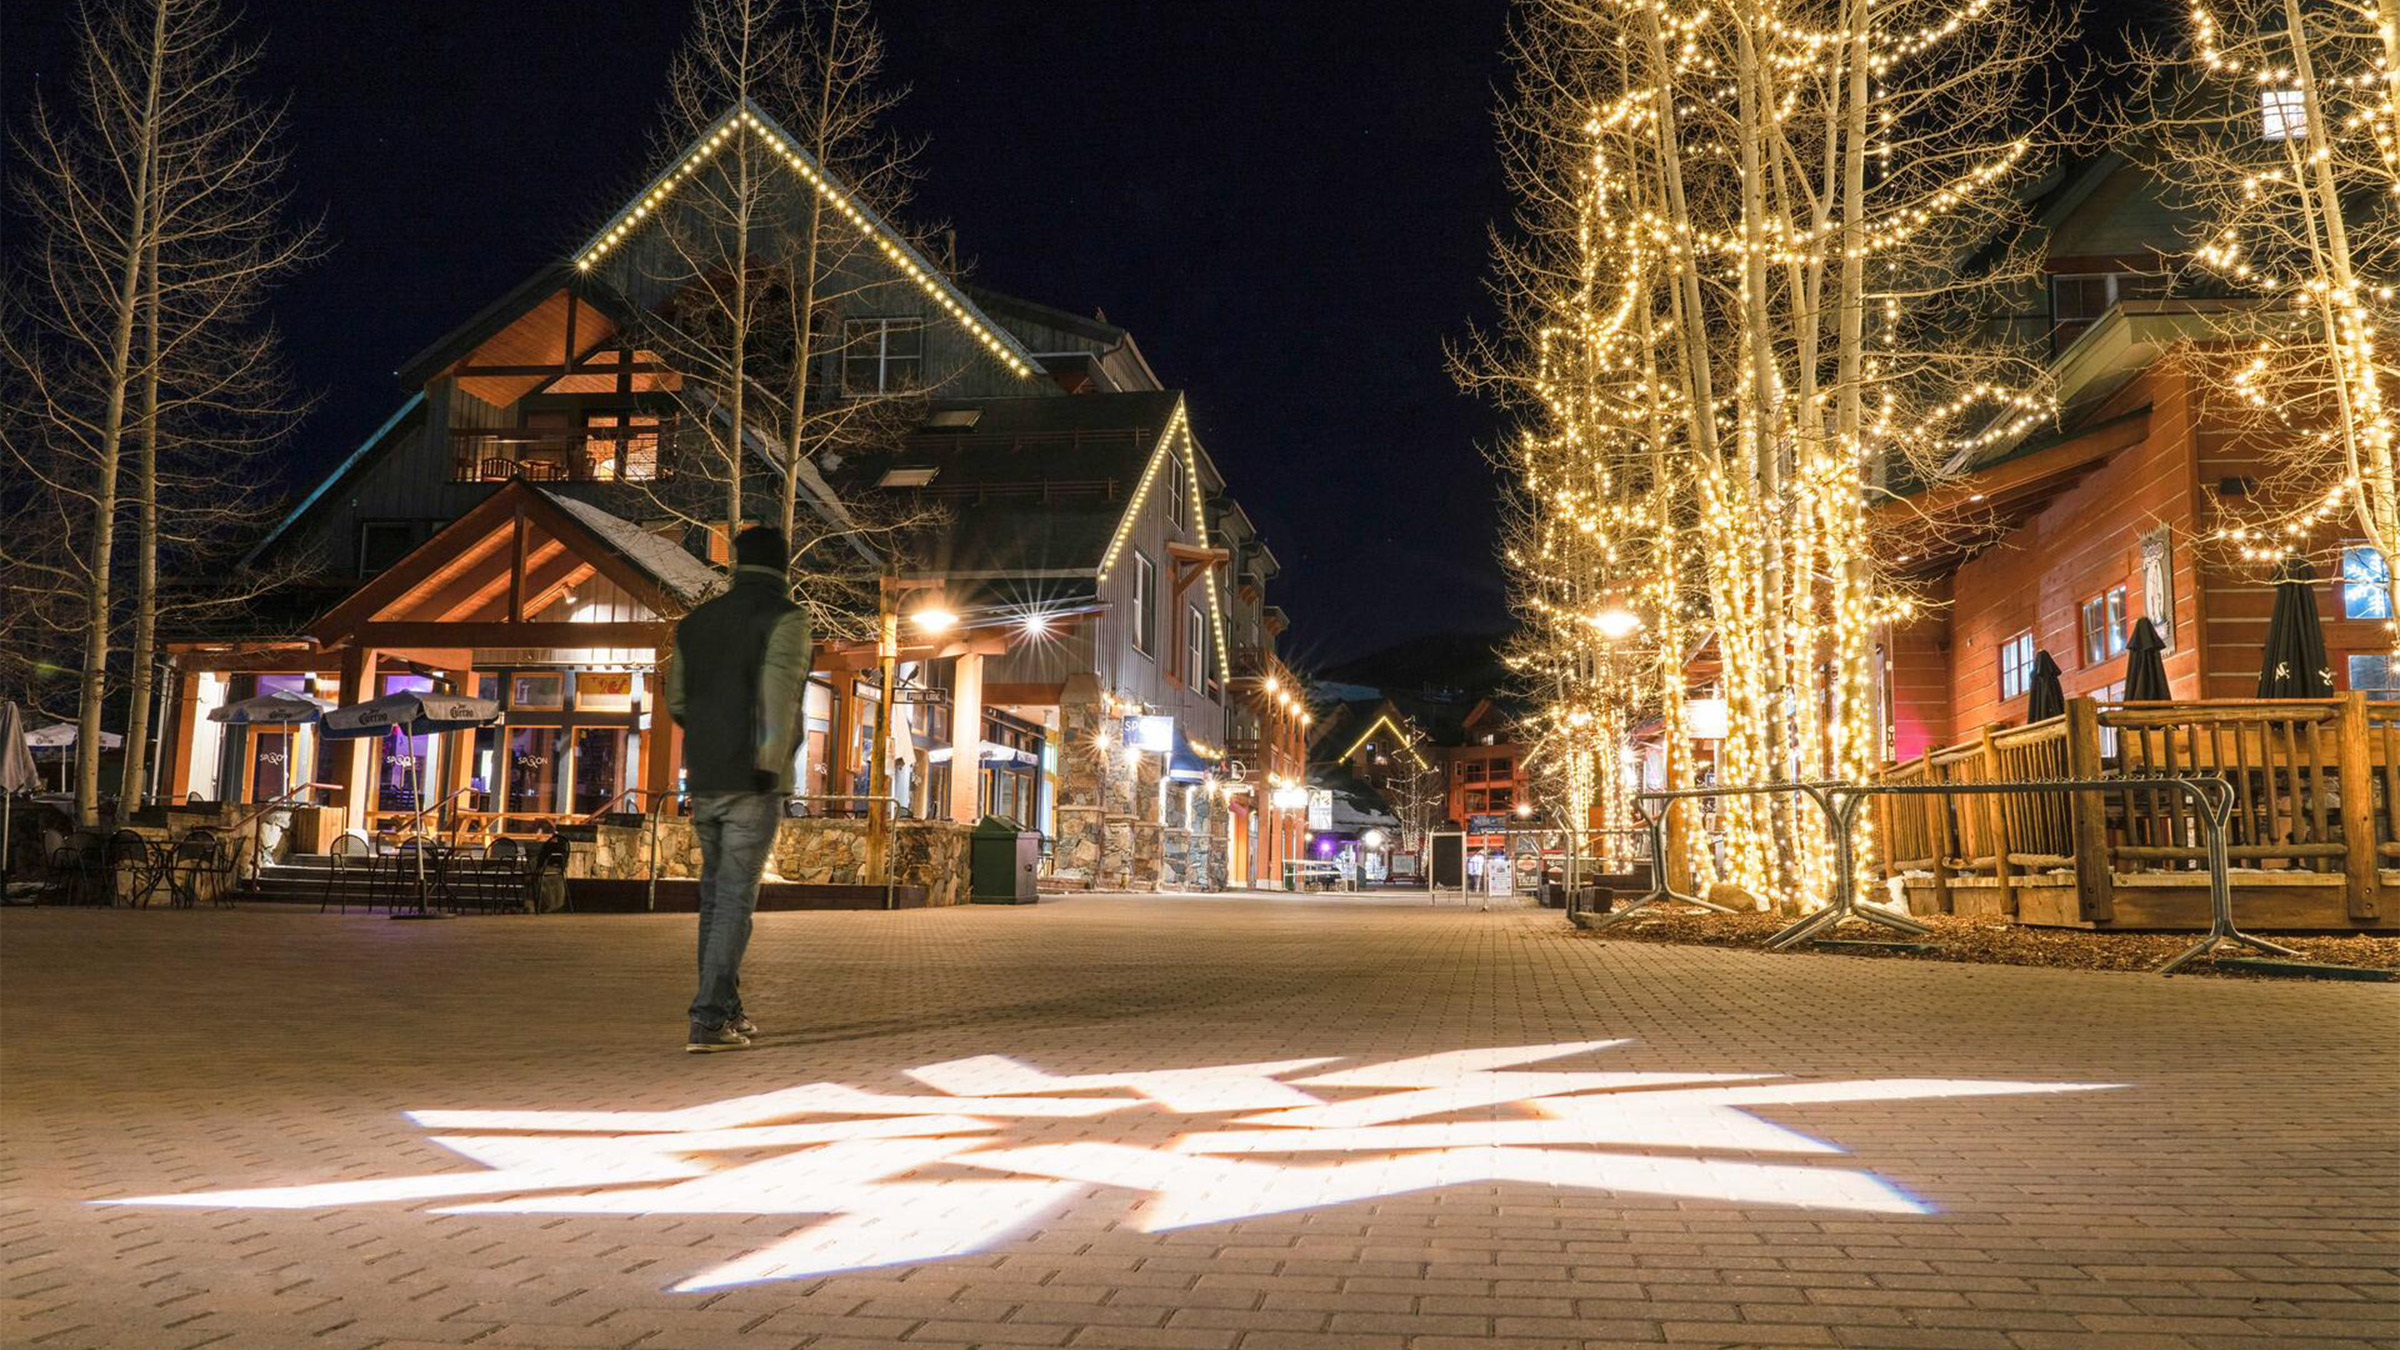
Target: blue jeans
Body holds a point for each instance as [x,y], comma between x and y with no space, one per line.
[736,831]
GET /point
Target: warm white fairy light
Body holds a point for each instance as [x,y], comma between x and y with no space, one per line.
[2296,181]
[746,120]
[1701,428]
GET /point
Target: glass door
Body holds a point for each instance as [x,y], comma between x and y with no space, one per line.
[600,762]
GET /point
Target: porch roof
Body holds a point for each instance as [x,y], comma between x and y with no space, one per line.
[482,579]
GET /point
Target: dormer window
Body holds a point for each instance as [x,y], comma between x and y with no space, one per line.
[882,356]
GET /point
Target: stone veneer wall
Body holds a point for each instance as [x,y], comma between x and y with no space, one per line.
[1112,833]
[928,853]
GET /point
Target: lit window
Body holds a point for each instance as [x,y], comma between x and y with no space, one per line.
[2104,626]
[882,355]
[2366,583]
[2283,114]
[1195,647]
[1145,604]
[2375,676]
[2016,665]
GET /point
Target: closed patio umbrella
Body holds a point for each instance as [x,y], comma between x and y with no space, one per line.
[2294,665]
[2145,666]
[2044,697]
[17,774]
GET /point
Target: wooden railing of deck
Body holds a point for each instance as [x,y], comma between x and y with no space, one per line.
[2286,759]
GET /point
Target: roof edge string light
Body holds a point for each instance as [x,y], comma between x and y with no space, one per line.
[746,119]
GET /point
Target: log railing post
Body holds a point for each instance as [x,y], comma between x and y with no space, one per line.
[1995,824]
[2357,769]
[2095,891]
[1937,836]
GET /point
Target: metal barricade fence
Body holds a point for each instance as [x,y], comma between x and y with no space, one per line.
[1840,802]
[2212,796]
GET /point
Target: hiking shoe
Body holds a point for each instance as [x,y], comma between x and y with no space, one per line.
[742,1025]
[708,1040]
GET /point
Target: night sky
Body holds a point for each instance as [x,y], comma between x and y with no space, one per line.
[1285,202]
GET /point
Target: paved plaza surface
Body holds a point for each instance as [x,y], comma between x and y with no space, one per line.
[1440,1127]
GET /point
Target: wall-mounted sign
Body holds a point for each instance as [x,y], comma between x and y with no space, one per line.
[1320,808]
[1290,799]
[1486,824]
[1150,732]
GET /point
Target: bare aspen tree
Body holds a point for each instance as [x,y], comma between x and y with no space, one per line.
[85,186]
[214,399]
[2274,129]
[1732,297]
[744,275]
[158,228]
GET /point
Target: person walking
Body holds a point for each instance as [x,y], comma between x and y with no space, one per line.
[735,685]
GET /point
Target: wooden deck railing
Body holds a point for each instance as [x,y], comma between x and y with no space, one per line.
[2288,761]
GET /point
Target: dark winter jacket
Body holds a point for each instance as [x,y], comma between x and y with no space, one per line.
[736,683]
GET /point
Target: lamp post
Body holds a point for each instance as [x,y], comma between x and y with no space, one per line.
[879,773]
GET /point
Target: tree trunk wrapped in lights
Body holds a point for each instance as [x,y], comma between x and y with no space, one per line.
[1733,315]
[2280,124]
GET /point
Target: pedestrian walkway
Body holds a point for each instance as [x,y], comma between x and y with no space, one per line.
[1213,1122]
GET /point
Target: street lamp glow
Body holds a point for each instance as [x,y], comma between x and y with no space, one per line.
[1616,623]
[934,619]
[1035,625]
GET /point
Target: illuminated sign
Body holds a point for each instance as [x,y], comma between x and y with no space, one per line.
[999,1145]
[1152,733]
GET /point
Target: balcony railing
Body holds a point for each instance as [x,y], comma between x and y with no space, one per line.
[603,454]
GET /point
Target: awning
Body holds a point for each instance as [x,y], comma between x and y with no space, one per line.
[1183,764]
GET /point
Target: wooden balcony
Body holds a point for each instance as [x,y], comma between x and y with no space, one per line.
[631,454]
[2314,841]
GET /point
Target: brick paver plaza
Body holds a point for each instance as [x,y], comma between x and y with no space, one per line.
[2238,1186]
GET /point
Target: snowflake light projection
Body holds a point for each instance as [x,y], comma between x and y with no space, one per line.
[921,1176]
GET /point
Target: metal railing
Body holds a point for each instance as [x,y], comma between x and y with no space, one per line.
[600,454]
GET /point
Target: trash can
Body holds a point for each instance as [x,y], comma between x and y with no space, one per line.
[1001,860]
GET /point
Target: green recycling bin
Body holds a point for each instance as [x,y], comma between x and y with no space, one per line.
[1001,860]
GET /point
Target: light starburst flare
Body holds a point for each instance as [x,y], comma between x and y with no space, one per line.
[910,1177]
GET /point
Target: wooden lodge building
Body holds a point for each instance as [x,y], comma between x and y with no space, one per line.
[2060,542]
[513,531]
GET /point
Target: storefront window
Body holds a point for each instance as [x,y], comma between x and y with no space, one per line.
[533,770]
[599,768]
[403,764]
[270,763]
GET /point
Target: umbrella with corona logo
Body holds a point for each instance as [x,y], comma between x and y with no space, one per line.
[410,713]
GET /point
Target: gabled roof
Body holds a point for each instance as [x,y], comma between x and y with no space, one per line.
[351,463]
[468,562]
[747,119]
[1038,484]
[1046,486]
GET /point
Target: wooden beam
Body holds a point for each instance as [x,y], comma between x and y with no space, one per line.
[632,633]
[271,660]
[1033,695]
[516,566]
[524,372]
